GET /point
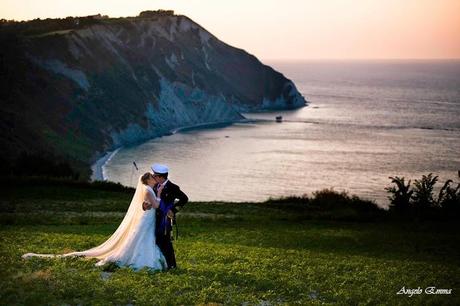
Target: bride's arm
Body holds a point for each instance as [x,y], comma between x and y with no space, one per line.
[150,197]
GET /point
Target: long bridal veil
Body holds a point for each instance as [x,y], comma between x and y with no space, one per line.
[133,243]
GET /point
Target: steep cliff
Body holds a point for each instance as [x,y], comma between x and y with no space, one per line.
[75,92]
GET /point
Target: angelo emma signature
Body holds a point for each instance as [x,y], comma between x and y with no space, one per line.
[419,290]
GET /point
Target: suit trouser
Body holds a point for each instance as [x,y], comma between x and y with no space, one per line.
[165,244]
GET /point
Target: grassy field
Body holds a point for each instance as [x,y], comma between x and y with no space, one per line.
[227,253]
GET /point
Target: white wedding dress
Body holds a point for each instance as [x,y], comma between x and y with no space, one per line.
[132,244]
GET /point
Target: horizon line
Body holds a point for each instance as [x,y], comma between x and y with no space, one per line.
[361,59]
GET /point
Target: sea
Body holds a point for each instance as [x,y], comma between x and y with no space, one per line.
[365,122]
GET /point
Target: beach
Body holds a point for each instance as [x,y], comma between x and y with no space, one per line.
[98,166]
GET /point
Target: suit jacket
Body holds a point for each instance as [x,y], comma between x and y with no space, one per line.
[170,193]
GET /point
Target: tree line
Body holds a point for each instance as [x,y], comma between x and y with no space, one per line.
[420,199]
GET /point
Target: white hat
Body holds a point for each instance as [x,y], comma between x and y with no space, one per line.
[160,169]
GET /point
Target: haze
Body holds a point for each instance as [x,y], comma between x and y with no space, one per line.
[294,29]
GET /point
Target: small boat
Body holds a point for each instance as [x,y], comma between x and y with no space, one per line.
[279,118]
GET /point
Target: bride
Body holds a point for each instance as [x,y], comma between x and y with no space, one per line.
[133,243]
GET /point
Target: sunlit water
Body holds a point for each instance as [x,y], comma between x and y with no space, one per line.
[366,121]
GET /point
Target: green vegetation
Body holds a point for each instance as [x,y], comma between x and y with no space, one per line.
[51,26]
[307,250]
[421,202]
[156,13]
[40,26]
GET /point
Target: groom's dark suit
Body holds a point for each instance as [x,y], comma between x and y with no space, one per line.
[170,193]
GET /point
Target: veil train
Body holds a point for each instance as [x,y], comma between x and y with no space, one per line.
[131,243]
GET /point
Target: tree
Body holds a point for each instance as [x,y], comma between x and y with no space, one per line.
[423,192]
[401,194]
[449,196]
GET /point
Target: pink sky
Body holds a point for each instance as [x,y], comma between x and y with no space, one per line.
[293,29]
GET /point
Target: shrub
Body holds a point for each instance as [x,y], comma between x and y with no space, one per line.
[423,191]
[401,194]
[420,200]
[449,196]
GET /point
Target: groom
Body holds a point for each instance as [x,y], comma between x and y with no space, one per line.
[166,213]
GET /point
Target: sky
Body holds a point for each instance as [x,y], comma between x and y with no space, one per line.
[293,29]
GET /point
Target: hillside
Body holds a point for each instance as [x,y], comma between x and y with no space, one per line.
[73,88]
[274,253]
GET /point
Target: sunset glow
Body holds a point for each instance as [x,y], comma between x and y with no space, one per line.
[294,29]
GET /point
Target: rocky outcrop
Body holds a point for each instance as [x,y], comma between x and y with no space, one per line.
[87,89]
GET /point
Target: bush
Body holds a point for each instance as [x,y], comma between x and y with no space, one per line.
[400,194]
[423,191]
[327,204]
[150,14]
[449,197]
[420,200]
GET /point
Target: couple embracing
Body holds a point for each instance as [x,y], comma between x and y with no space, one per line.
[143,239]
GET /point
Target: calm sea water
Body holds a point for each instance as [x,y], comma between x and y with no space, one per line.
[366,121]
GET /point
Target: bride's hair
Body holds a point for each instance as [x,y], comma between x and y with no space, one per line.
[145,177]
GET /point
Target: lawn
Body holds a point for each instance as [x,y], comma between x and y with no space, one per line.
[227,253]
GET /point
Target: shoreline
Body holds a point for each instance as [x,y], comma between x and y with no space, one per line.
[98,173]
[208,125]
[98,167]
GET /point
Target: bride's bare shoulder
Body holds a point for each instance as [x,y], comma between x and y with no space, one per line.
[149,189]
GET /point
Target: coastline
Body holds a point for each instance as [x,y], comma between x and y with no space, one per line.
[98,173]
[98,167]
[208,125]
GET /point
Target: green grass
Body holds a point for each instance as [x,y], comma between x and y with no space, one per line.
[227,253]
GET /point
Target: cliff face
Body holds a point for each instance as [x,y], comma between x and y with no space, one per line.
[81,91]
